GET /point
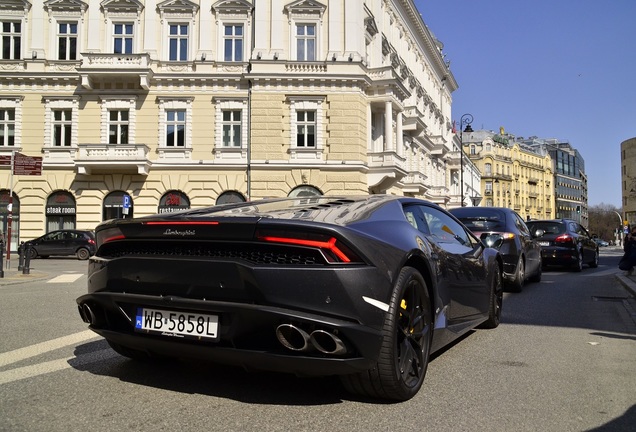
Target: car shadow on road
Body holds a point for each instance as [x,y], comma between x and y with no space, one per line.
[212,379]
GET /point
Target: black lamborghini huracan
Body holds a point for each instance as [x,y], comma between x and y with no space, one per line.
[363,287]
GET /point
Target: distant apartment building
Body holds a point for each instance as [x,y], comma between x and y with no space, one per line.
[512,175]
[570,180]
[628,180]
[143,107]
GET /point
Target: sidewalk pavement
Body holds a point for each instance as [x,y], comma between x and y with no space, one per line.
[14,276]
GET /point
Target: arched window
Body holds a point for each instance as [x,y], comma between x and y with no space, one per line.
[304,191]
[173,201]
[117,205]
[60,211]
[228,197]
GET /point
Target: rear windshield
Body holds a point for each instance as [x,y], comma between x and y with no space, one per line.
[547,227]
[481,219]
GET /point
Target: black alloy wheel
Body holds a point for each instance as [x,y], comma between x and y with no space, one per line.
[495,302]
[536,277]
[32,253]
[408,330]
[594,262]
[520,276]
[578,266]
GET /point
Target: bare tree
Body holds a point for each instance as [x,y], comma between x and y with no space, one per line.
[604,220]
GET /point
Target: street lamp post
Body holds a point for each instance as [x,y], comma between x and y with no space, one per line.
[466,119]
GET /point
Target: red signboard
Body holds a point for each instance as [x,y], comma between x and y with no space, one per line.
[27,165]
[5,160]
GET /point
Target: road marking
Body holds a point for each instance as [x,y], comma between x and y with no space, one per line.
[67,278]
[54,366]
[43,347]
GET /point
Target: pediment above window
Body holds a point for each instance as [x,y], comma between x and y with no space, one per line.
[178,8]
[232,7]
[122,6]
[18,7]
[65,6]
[306,8]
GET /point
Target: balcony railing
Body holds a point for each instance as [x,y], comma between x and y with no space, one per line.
[113,158]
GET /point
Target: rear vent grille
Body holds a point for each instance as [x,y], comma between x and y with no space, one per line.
[251,252]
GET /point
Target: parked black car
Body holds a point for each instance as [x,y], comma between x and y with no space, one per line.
[63,242]
[505,230]
[565,242]
[361,287]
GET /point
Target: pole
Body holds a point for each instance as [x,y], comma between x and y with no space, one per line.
[10,211]
[466,119]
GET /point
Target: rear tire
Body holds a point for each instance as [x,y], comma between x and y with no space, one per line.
[407,334]
[578,266]
[536,277]
[83,254]
[496,302]
[594,262]
[520,276]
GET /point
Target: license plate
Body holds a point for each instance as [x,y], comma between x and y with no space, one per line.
[177,324]
[544,243]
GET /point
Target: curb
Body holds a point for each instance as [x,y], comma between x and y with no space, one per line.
[12,277]
[628,283]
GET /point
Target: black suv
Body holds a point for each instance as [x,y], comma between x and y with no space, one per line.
[564,242]
[63,242]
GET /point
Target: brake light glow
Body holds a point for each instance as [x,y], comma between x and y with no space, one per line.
[564,238]
[109,235]
[329,245]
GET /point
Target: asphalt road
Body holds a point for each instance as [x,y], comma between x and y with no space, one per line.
[563,359]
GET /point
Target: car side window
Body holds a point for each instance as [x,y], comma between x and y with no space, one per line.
[415,217]
[444,228]
[521,225]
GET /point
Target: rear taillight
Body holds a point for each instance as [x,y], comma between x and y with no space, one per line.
[564,238]
[91,241]
[108,235]
[333,249]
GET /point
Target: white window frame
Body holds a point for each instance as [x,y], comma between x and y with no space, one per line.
[169,104]
[178,12]
[233,13]
[118,12]
[22,35]
[179,37]
[110,103]
[53,104]
[233,38]
[305,38]
[13,103]
[306,103]
[303,12]
[60,13]
[123,36]
[229,104]
[68,36]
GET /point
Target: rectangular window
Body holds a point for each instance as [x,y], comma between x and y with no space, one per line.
[62,127]
[67,41]
[175,128]
[7,127]
[305,42]
[233,40]
[232,128]
[11,39]
[178,42]
[306,128]
[118,127]
[123,38]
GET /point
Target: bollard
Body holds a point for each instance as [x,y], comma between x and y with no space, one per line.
[1,259]
[27,259]
[20,256]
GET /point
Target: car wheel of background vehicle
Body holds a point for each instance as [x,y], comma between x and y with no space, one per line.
[33,253]
[520,276]
[496,302]
[579,262]
[594,262]
[407,334]
[536,277]
[83,254]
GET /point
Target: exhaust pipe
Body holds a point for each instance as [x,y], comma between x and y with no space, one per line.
[88,315]
[327,343]
[292,337]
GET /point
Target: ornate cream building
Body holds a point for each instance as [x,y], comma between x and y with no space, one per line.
[512,175]
[628,180]
[138,107]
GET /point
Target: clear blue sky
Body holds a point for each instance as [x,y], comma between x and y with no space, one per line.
[561,69]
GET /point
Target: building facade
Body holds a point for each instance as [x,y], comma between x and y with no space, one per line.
[142,107]
[628,180]
[512,175]
[570,180]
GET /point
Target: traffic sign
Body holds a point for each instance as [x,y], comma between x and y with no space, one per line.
[27,165]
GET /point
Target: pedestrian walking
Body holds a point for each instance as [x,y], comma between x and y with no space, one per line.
[628,261]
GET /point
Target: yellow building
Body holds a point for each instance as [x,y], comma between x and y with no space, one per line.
[628,180]
[139,107]
[512,175]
